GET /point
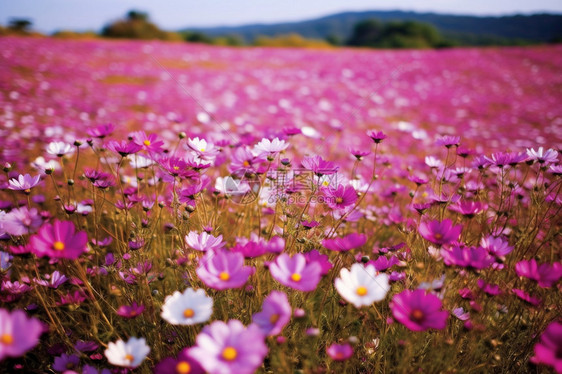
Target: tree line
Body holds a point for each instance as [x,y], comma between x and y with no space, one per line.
[370,33]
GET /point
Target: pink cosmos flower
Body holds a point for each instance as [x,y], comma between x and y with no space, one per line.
[275,314]
[22,221]
[204,241]
[340,197]
[59,240]
[346,243]
[18,334]
[497,246]
[468,208]
[182,364]
[418,310]
[470,257]
[376,136]
[319,166]
[229,348]
[541,156]
[123,147]
[526,297]
[294,272]
[547,350]
[221,270]
[149,143]
[339,352]
[130,311]
[322,260]
[439,232]
[545,274]
[101,131]
[24,183]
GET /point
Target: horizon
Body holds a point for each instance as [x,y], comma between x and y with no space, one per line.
[48,18]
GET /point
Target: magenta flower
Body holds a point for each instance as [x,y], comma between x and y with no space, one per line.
[339,352]
[469,208]
[59,240]
[497,246]
[245,162]
[340,197]
[24,183]
[346,243]
[221,270]
[130,311]
[470,257]
[294,272]
[101,131]
[52,281]
[182,364]
[275,314]
[439,232]
[231,348]
[418,310]
[319,166]
[22,221]
[448,141]
[149,143]
[322,260]
[545,274]
[18,334]
[526,297]
[548,349]
[377,136]
[123,147]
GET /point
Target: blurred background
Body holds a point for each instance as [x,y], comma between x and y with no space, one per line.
[304,23]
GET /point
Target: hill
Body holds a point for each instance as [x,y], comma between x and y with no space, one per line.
[465,29]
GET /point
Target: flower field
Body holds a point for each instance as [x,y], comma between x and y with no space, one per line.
[179,208]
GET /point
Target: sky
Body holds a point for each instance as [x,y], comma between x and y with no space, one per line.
[81,15]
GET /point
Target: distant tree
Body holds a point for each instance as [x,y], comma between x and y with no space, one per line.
[366,33]
[197,37]
[333,39]
[135,15]
[408,34]
[20,25]
[135,26]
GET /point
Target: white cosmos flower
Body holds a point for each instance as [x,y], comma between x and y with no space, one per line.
[204,241]
[266,146]
[127,354]
[362,286]
[187,308]
[59,148]
[202,148]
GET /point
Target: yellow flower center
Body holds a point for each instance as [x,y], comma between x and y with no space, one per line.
[146,142]
[188,313]
[417,315]
[229,353]
[339,200]
[361,291]
[202,149]
[296,277]
[6,339]
[183,367]
[129,357]
[224,276]
[274,318]
[176,168]
[58,245]
[246,163]
[438,236]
